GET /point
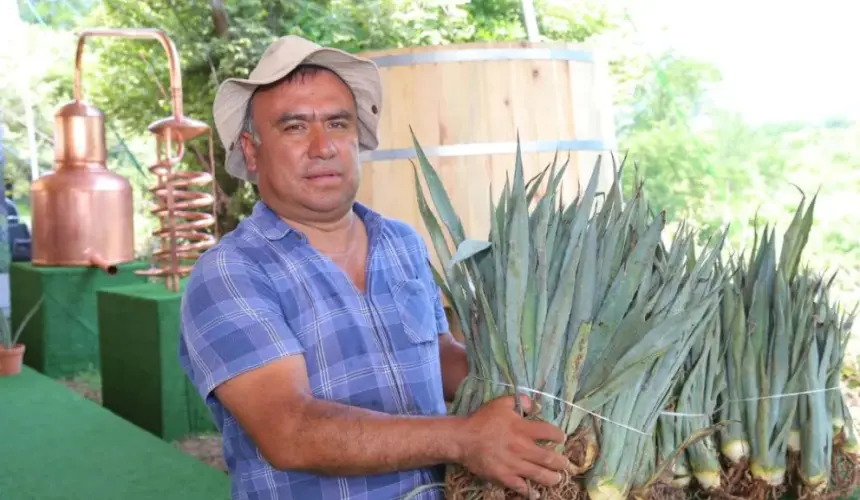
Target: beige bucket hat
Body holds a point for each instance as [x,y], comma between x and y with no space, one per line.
[279,59]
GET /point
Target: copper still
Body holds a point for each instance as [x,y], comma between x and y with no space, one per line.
[82,213]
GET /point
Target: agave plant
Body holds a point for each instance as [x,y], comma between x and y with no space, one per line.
[641,350]
[578,305]
[9,339]
[777,363]
[696,394]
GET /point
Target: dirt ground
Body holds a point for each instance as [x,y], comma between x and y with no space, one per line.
[204,447]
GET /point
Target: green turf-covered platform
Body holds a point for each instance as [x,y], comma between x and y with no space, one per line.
[62,337]
[57,445]
[142,380]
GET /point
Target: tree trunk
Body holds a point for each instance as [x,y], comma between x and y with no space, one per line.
[219,18]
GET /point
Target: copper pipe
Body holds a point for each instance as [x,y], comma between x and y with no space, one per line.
[97,260]
[137,33]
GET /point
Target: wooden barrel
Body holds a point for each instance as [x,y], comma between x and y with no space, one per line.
[466,104]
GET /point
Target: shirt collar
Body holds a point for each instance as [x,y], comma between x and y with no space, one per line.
[274,228]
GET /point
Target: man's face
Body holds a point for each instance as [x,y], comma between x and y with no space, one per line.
[307,156]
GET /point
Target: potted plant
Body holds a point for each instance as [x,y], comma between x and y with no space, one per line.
[11,352]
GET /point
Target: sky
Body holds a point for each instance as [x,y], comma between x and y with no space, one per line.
[780,60]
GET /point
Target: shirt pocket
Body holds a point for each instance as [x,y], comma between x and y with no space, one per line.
[414,306]
[416,344]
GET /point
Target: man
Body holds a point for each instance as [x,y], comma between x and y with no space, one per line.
[314,331]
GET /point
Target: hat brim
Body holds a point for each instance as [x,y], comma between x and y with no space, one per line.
[360,75]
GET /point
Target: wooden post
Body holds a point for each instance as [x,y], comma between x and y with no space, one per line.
[530,18]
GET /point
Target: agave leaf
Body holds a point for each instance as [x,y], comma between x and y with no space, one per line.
[796,238]
[790,239]
[496,231]
[619,299]
[439,195]
[538,295]
[574,354]
[560,245]
[468,249]
[440,245]
[498,234]
[441,283]
[696,437]
[572,370]
[562,300]
[517,272]
[498,347]
[533,185]
[529,331]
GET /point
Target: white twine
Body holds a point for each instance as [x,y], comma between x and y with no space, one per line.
[550,396]
[745,400]
[666,413]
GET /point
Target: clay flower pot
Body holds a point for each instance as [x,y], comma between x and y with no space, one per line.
[11,360]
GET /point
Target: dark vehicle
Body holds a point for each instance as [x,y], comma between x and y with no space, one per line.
[19,234]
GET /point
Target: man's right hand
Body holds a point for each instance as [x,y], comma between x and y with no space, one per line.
[499,445]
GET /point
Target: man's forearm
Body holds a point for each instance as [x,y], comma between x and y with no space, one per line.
[334,439]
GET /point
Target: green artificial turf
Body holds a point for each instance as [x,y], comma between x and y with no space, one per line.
[55,444]
[142,380]
[62,337]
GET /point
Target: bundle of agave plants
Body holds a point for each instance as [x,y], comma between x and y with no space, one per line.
[674,371]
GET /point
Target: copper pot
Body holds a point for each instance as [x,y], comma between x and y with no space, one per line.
[82,213]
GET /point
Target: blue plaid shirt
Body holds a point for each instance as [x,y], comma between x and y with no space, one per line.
[263,292]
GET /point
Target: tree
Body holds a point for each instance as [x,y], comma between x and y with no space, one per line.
[48,49]
[700,163]
[63,14]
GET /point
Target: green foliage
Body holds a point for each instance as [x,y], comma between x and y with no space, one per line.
[46,48]
[54,13]
[8,338]
[669,89]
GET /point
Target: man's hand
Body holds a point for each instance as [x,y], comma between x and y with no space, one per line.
[500,446]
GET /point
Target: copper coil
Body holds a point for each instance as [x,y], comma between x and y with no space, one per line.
[178,207]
